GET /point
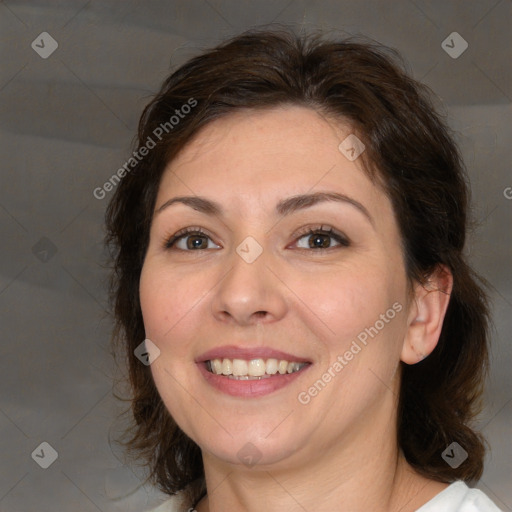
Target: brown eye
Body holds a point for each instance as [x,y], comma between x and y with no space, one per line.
[321,239]
[191,241]
[196,242]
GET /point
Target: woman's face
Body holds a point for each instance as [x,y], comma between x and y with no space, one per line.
[292,255]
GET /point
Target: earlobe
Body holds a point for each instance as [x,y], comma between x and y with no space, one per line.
[426,315]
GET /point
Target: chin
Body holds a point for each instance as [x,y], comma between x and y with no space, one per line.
[253,447]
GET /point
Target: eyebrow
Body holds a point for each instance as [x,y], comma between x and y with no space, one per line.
[283,208]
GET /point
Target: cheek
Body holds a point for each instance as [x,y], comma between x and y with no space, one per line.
[169,301]
[365,312]
[167,297]
[348,300]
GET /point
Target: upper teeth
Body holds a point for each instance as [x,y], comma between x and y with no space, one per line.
[252,368]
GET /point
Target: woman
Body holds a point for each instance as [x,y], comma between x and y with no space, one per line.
[289,244]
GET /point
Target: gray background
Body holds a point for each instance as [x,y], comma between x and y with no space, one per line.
[66,126]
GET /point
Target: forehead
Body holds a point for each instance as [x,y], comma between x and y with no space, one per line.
[260,156]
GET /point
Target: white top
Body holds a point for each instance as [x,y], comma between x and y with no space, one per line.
[457,497]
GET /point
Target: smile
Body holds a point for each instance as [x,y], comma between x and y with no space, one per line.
[246,372]
[253,369]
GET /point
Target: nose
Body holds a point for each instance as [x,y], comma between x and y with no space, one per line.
[250,293]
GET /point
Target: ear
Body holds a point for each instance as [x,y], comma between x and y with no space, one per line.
[426,315]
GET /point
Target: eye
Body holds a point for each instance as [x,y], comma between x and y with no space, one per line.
[321,238]
[191,239]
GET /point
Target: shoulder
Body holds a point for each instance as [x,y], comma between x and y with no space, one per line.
[458,497]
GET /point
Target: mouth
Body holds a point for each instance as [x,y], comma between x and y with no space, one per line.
[250,373]
[253,369]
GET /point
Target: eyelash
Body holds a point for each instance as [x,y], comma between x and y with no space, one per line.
[182,233]
[310,231]
[323,230]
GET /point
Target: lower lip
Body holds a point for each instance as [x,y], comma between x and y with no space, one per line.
[249,388]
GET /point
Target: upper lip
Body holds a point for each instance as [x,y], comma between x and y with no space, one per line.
[247,353]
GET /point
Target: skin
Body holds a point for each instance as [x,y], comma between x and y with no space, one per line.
[309,302]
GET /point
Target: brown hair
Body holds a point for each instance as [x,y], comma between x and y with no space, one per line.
[408,148]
